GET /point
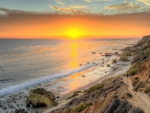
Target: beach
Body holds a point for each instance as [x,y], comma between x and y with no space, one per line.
[99,69]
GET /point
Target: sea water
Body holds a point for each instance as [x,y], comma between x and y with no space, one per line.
[24,63]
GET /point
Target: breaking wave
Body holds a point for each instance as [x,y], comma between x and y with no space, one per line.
[32,82]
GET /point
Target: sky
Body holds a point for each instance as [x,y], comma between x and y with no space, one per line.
[74,18]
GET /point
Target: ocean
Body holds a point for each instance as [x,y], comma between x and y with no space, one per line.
[26,60]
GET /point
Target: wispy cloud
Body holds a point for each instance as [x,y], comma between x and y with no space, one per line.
[87,0]
[147,2]
[71,9]
[97,0]
[126,7]
[61,3]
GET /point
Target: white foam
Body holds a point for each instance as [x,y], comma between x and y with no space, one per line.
[32,82]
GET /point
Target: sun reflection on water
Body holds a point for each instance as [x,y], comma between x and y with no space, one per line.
[74,61]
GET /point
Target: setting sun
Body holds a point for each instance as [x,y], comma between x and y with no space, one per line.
[74,33]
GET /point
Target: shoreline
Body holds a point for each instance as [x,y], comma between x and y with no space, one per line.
[121,94]
[60,89]
[64,100]
[53,84]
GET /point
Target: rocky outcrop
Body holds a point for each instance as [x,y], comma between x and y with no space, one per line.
[40,97]
[140,53]
[143,40]
[118,106]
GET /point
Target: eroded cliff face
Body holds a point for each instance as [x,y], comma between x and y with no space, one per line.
[141,81]
[140,53]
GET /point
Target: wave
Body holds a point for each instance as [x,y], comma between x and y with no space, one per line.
[32,82]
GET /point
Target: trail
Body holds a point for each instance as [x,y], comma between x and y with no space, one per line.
[139,99]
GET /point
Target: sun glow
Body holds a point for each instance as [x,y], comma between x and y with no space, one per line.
[74,33]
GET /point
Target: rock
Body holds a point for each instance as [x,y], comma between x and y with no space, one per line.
[124,58]
[143,40]
[93,52]
[114,61]
[20,111]
[40,97]
[135,110]
[113,105]
[108,54]
[116,53]
[108,65]
[57,97]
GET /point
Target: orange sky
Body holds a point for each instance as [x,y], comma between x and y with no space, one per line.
[26,25]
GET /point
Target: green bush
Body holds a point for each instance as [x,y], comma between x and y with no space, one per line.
[67,111]
[94,88]
[81,107]
[133,72]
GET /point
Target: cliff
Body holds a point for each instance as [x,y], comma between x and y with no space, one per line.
[109,97]
[141,81]
[119,94]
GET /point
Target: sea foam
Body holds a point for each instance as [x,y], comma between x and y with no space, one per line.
[32,82]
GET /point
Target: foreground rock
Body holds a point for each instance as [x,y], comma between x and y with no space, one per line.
[40,97]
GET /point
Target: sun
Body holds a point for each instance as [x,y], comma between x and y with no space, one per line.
[74,33]
[74,36]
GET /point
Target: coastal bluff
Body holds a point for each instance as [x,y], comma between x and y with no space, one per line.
[119,94]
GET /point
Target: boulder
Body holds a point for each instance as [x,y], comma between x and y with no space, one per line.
[40,97]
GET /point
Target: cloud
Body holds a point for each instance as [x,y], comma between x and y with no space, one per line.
[126,7]
[147,2]
[87,0]
[71,9]
[33,24]
[61,3]
[97,0]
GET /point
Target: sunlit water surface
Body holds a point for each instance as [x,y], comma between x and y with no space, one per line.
[22,60]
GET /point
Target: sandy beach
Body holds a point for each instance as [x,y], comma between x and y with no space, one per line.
[64,88]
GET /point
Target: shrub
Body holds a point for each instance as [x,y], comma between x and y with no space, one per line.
[81,107]
[133,72]
[94,88]
[67,111]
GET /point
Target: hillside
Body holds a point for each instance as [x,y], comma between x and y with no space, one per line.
[119,94]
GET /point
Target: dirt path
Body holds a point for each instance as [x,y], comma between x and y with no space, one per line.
[139,99]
